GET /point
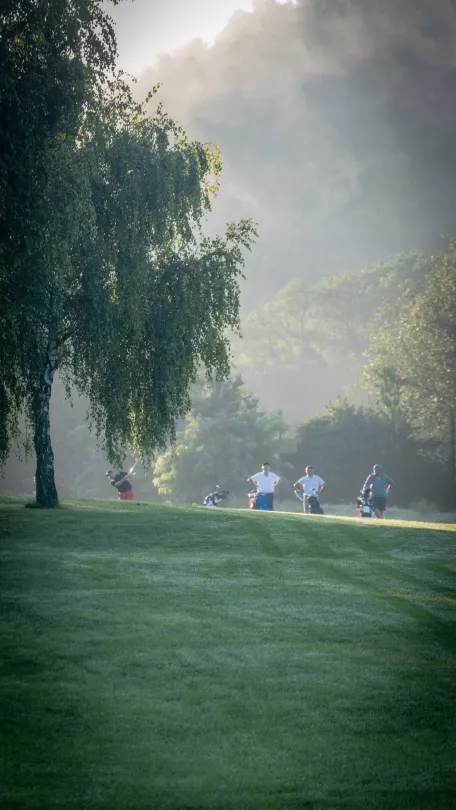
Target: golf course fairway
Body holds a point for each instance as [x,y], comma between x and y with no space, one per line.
[181,658]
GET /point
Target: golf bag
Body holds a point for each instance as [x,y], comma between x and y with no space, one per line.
[312,501]
[214,498]
[364,508]
[257,500]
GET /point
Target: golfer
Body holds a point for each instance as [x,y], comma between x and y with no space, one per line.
[378,485]
[120,482]
[266,483]
[308,483]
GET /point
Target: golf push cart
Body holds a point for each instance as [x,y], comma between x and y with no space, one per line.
[214,498]
[364,507]
[311,501]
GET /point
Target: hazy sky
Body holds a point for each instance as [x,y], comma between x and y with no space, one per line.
[146,28]
[335,120]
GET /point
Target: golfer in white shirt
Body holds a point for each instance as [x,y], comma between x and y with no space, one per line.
[266,483]
[308,483]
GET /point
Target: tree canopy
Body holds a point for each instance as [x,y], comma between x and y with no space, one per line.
[413,358]
[105,273]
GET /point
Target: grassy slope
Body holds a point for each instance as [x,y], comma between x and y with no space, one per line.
[156,657]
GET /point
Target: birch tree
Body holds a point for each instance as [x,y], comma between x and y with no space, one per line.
[105,274]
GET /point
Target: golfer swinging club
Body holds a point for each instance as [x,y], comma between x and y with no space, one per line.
[120,482]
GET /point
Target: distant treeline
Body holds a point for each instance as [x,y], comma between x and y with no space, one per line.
[386,333]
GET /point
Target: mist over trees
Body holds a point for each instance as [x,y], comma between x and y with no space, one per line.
[336,124]
[308,344]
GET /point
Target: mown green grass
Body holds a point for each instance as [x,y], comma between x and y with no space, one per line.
[179,658]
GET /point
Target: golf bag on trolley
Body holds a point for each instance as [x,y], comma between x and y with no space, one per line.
[310,501]
[214,498]
[364,507]
[257,500]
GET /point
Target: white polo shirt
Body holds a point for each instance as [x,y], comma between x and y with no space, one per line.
[308,483]
[265,483]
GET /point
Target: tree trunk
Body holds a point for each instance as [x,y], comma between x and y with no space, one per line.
[46,492]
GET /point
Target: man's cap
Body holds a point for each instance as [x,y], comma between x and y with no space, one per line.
[377,466]
[109,472]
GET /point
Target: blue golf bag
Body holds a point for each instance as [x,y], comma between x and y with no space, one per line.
[257,500]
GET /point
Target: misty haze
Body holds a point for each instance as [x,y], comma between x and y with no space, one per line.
[336,125]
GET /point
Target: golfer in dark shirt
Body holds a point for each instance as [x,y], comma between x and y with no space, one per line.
[378,485]
[120,482]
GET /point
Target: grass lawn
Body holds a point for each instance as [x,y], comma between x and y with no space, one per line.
[183,658]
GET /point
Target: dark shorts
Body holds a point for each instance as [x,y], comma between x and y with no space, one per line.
[379,503]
